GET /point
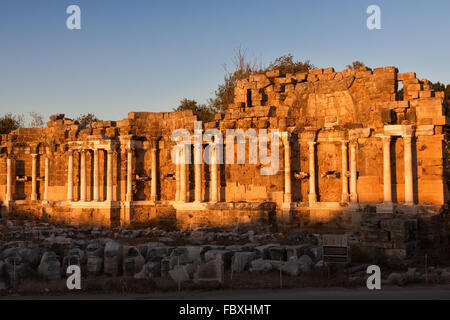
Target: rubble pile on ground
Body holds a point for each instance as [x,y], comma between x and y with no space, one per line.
[48,250]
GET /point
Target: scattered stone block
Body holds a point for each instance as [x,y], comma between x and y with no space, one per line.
[113,258]
[50,267]
[242,260]
[133,261]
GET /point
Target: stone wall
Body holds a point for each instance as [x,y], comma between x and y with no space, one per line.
[350,143]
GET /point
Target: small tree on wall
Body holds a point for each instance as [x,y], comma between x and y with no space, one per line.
[357,65]
[203,112]
[86,120]
[36,120]
[10,122]
[244,67]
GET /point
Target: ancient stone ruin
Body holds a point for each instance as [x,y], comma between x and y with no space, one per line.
[351,153]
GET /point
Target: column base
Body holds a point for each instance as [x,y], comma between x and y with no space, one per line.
[385,208]
[312,198]
[288,206]
[287,198]
[7,206]
[126,213]
[345,198]
[354,206]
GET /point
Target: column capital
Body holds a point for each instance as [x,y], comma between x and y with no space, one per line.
[48,152]
[408,138]
[154,143]
[286,137]
[131,149]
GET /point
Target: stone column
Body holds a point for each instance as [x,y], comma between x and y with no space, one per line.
[214,176]
[287,169]
[129,195]
[183,175]
[312,173]
[177,175]
[387,180]
[83,186]
[198,148]
[96,178]
[47,176]
[9,180]
[34,177]
[70,176]
[154,190]
[109,178]
[345,196]
[409,189]
[353,173]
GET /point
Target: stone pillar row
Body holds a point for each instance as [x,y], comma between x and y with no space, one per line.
[83,181]
[181,194]
[109,175]
[353,196]
[182,181]
[408,167]
[10,178]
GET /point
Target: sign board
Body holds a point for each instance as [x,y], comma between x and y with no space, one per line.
[335,248]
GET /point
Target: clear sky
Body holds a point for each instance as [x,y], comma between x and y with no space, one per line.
[145,55]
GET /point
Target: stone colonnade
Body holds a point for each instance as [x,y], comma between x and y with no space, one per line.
[129,147]
[182,166]
[348,175]
[350,192]
[11,177]
[408,134]
[95,173]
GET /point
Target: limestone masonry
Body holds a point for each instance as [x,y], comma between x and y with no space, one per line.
[351,153]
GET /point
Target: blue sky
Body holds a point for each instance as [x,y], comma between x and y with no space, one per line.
[142,55]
